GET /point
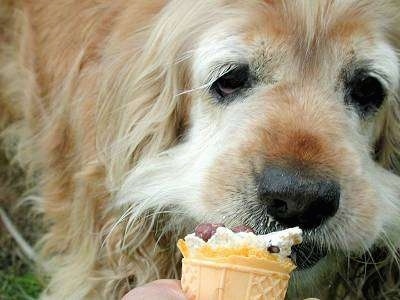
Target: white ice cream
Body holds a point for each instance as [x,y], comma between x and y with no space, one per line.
[226,238]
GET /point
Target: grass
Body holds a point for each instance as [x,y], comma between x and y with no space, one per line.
[13,287]
[17,275]
[17,279]
[17,272]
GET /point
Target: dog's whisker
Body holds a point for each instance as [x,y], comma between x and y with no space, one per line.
[393,250]
[116,224]
[193,90]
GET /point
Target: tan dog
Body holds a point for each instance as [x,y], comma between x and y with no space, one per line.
[143,118]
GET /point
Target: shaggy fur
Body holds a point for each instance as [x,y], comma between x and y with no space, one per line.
[107,105]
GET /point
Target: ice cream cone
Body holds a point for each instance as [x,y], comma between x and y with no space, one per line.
[229,265]
[241,280]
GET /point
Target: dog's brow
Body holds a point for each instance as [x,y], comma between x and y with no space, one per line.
[219,70]
[369,67]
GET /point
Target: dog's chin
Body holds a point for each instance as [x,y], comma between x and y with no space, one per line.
[312,280]
[307,255]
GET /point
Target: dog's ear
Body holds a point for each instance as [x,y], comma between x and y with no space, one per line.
[142,110]
[388,144]
[387,147]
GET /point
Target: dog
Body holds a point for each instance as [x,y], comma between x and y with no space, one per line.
[137,120]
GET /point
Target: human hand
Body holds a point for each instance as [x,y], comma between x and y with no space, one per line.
[165,289]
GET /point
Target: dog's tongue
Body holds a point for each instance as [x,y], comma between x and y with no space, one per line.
[206,230]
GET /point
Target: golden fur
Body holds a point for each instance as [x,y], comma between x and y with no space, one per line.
[108,102]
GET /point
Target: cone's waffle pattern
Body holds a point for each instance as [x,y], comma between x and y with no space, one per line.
[206,280]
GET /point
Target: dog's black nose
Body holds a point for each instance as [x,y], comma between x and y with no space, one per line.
[296,199]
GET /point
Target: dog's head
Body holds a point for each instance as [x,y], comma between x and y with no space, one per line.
[270,114]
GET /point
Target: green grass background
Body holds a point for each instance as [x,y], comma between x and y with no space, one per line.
[17,274]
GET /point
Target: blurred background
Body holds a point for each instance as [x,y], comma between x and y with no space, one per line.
[18,221]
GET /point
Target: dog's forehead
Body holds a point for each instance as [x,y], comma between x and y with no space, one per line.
[306,33]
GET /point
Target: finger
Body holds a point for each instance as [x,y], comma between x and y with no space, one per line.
[157,290]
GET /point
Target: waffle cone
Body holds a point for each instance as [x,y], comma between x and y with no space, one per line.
[209,280]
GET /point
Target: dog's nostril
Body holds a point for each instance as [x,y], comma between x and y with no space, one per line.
[278,206]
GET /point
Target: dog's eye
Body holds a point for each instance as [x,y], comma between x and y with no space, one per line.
[232,82]
[366,92]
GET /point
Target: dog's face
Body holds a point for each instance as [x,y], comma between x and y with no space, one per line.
[287,106]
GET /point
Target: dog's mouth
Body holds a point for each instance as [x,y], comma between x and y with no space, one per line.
[306,255]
